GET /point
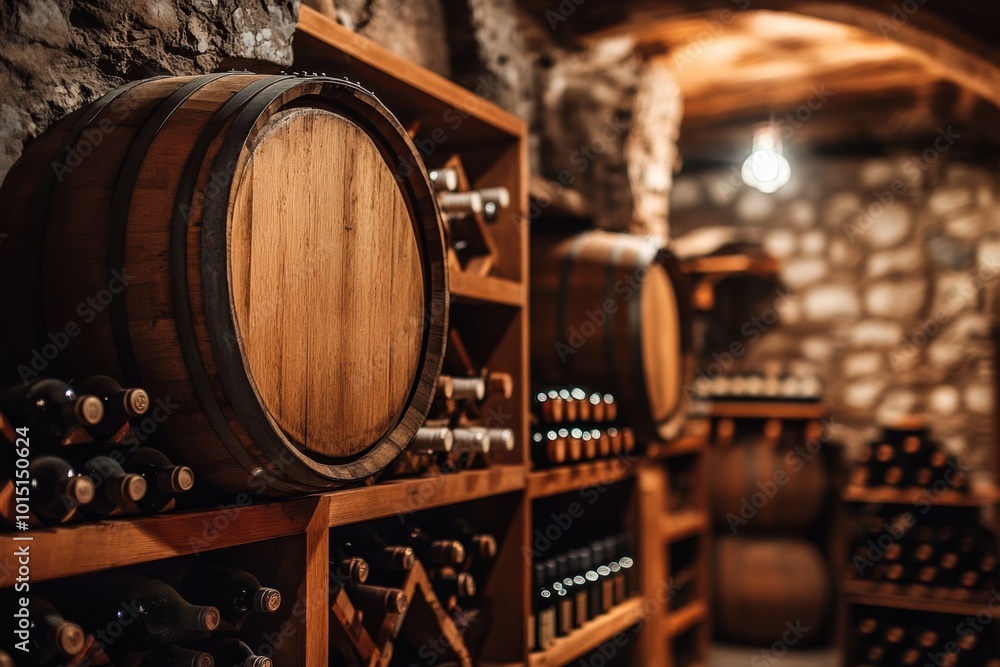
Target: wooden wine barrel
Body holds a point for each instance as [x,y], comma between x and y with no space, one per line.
[611,311]
[759,487]
[761,585]
[262,253]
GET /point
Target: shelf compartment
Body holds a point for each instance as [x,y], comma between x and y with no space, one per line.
[562,479]
[399,497]
[682,620]
[861,593]
[104,545]
[591,635]
[682,525]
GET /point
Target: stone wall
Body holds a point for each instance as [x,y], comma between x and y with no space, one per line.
[57,55]
[889,265]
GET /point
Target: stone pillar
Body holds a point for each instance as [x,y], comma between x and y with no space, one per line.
[609,122]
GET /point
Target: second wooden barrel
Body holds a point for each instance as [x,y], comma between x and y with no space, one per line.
[262,253]
[610,311]
[757,486]
[763,586]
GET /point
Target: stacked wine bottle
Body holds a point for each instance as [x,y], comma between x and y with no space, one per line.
[946,554]
[67,456]
[579,585]
[886,639]
[172,616]
[572,424]
[905,457]
[458,435]
[370,563]
[759,387]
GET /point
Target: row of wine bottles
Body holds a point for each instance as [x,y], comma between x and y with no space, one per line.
[963,561]
[759,387]
[94,483]
[487,202]
[51,409]
[908,458]
[572,445]
[172,616]
[579,585]
[574,405]
[888,641]
[370,562]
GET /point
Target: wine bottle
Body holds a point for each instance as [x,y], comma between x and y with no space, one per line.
[567,609]
[597,413]
[432,440]
[51,635]
[450,583]
[574,444]
[550,407]
[120,404]
[49,408]
[594,605]
[627,563]
[477,544]
[562,603]
[231,652]
[581,610]
[544,609]
[619,585]
[458,205]
[365,543]
[346,570]
[610,408]
[582,403]
[56,489]
[235,593]
[444,179]
[156,613]
[377,599]
[500,384]
[501,438]
[494,201]
[473,440]
[164,480]
[115,488]
[176,656]
[571,405]
[607,587]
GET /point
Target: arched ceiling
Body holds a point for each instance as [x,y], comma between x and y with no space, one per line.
[835,75]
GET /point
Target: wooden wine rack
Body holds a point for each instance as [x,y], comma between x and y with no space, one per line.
[286,544]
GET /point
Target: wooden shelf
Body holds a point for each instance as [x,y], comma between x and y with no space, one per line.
[318,38]
[762,409]
[591,635]
[917,496]
[488,289]
[861,593]
[88,547]
[563,479]
[680,621]
[682,525]
[682,446]
[400,497]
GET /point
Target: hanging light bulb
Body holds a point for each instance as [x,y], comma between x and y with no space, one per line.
[766,168]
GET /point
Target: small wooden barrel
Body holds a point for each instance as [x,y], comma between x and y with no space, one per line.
[764,585]
[759,487]
[262,253]
[610,311]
